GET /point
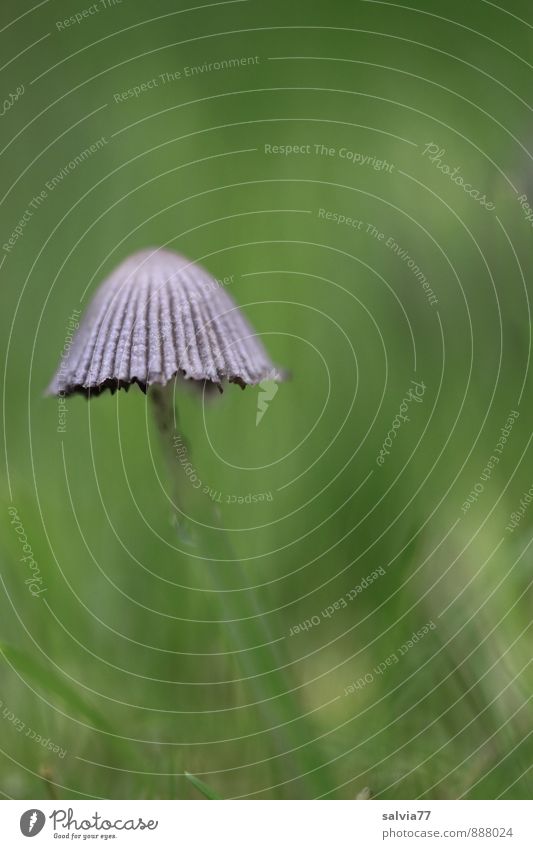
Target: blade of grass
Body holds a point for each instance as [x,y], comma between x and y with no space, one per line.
[202,787]
[264,668]
[50,681]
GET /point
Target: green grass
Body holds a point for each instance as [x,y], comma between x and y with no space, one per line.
[165,671]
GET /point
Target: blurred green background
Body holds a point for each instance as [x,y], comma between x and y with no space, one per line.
[143,659]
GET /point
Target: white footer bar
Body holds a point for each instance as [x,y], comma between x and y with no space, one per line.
[268,824]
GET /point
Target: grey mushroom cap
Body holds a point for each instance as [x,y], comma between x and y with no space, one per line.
[156,316]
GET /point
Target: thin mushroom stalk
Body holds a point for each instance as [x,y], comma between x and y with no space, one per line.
[164,413]
[243,625]
[257,662]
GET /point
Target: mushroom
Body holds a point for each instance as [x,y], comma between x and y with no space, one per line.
[156,317]
[159,316]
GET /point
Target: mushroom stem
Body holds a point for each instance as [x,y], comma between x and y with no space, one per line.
[164,410]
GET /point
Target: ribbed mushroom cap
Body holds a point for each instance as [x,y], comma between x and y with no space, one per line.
[156,316]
